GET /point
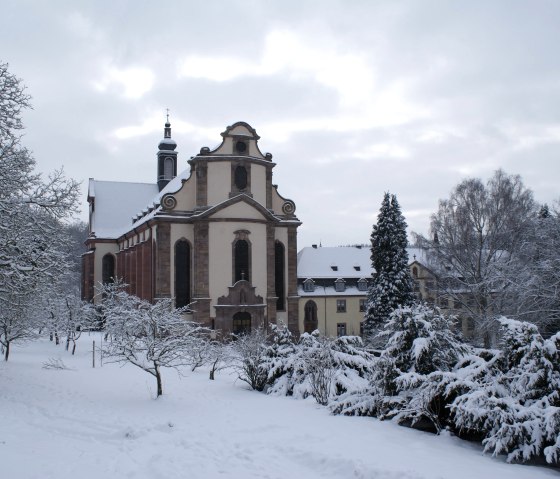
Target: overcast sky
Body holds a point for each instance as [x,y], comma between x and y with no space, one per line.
[352,98]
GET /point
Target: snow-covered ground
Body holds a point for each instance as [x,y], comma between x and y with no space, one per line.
[104,423]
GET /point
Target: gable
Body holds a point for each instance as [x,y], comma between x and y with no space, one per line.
[239,210]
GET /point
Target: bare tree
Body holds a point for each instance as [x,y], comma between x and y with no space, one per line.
[220,357]
[476,234]
[32,212]
[250,362]
[535,274]
[321,369]
[149,336]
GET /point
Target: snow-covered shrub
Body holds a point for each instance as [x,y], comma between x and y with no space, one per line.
[250,359]
[280,361]
[317,366]
[516,407]
[420,342]
[320,369]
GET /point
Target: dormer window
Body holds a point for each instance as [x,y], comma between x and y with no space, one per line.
[309,285]
[334,267]
[339,285]
[362,284]
[357,267]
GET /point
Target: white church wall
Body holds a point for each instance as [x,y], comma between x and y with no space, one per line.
[220,184]
[258,183]
[221,238]
[186,196]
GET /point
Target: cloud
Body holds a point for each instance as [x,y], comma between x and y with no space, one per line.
[287,53]
[134,82]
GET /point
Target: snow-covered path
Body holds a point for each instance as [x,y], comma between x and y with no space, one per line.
[103,423]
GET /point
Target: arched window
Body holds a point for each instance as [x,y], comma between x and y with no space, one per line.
[279,275]
[168,168]
[182,273]
[240,177]
[241,260]
[108,269]
[310,322]
[241,323]
[415,271]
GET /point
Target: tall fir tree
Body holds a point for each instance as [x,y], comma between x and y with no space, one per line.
[391,286]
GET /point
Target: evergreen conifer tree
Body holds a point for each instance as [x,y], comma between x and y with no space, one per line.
[391,285]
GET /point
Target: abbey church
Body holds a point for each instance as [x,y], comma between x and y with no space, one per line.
[218,236]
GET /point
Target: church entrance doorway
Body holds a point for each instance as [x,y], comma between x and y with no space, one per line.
[241,323]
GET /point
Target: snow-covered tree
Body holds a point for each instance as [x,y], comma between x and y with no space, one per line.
[220,356]
[420,341]
[515,403]
[391,285]
[65,314]
[479,231]
[534,274]
[149,336]
[32,213]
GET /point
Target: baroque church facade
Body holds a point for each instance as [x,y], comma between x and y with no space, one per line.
[218,236]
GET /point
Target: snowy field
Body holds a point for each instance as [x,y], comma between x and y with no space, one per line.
[104,423]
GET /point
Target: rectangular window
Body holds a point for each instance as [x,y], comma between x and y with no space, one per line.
[363,305]
[340,329]
[340,305]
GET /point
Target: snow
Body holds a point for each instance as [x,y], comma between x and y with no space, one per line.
[318,262]
[116,202]
[104,422]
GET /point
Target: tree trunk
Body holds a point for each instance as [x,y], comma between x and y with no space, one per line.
[7,350]
[212,374]
[158,379]
[74,348]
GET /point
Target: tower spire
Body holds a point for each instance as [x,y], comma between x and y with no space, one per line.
[167,129]
[167,156]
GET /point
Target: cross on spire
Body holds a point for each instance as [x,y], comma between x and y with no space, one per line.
[167,115]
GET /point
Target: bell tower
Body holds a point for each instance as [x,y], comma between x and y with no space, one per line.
[167,157]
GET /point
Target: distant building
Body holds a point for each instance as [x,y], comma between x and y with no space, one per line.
[218,235]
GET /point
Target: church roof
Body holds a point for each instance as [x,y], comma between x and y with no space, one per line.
[342,261]
[115,203]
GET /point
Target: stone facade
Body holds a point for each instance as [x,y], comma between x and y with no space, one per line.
[224,197]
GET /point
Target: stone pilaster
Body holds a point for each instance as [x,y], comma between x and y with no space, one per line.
[293,309]
[201,289]
[87,276]
[201,170]
[270,277]
[163,259]
[269,187]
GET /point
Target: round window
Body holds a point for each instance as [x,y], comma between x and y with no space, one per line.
[240,147]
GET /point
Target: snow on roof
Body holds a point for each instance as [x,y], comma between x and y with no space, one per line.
[330,291]
[342,261]
[116,202]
